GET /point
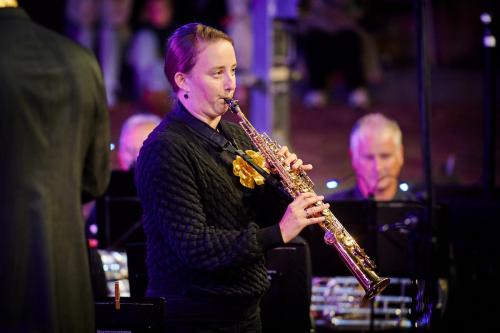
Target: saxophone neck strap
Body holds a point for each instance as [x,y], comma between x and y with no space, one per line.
[204,131]
[219,139]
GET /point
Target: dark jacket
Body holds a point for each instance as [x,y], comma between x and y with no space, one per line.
[206,233]
[54,150]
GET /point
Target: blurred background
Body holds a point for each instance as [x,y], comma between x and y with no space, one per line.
[307,70]
[128,37]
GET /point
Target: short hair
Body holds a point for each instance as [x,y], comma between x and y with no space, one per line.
[136,120]
[183,48]
[374,122]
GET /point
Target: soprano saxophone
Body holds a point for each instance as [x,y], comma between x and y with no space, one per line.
[295,182]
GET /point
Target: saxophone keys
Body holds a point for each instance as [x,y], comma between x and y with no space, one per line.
[329,238]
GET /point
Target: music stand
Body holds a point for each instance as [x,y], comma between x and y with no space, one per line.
[378,227]
[119,213]
[385,230]
[137,270]
[136,315]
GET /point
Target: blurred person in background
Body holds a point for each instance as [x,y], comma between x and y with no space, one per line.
[376,151]
[81,19]
[113,43]
[54,148]
[145,54]
[333,41]
[133,133]
[377,157]
[239,27]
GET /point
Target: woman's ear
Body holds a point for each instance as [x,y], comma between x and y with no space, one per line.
[180,80]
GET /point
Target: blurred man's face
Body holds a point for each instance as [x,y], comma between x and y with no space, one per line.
[131,143]
[377,163]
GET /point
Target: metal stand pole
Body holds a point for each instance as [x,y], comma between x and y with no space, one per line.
[423,302]
[489,44]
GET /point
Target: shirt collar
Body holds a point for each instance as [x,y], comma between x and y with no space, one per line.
[13,13]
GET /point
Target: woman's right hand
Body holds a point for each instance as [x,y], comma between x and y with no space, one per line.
[300,213]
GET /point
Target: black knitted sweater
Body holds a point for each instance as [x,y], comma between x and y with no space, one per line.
[206,233]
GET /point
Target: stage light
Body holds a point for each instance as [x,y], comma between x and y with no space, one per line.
[332,183]
[404,187]
[93,243]
[93,229]
[489,41]
[112,146]
[485,18]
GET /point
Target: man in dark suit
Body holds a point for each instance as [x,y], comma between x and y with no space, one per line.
[54,154]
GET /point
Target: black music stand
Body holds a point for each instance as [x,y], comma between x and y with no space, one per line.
[136,315]
[286,305]
[137,270]
[119,213]
[389,232]
[378,227]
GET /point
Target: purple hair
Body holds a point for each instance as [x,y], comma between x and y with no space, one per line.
[183,48]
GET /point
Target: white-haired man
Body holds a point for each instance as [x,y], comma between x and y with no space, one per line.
[376,150]
[133,133]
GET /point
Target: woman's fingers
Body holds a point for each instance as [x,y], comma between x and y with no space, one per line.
[284,152]
[303,211]
[314,220]
[315,210]
[306,167]
[292,160]
[308,201]
[296,164]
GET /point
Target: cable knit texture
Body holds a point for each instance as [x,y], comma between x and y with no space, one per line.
[206,233]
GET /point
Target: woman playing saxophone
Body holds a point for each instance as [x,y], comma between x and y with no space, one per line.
[209,217]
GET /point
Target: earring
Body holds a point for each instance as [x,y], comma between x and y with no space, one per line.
[186,96]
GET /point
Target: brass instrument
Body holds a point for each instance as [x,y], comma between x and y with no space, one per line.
[296,182]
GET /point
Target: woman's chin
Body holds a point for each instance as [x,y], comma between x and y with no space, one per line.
[222,108]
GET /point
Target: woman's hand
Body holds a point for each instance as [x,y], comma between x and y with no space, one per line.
[292,160]
[301,212]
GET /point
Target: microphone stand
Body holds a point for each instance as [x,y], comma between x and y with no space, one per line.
[424,296]
[372,204]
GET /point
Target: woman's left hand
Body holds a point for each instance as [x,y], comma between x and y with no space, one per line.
[292,160]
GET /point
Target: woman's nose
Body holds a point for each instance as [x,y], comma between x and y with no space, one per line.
[230,82]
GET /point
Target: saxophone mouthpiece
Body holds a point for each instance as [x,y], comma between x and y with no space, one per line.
[233,104]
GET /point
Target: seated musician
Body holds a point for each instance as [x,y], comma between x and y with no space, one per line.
[376,150]
[133,133]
